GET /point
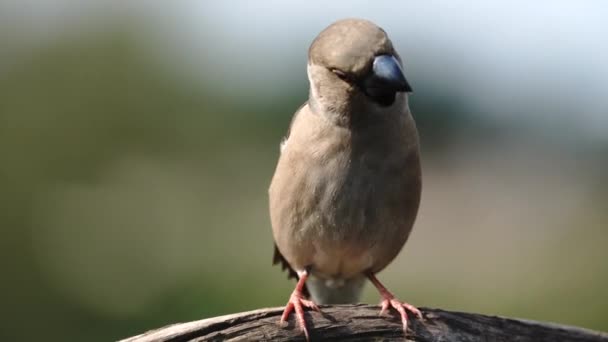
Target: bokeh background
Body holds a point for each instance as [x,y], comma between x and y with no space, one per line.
[138,139]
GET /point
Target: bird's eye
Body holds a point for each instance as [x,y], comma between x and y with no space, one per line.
[341,74]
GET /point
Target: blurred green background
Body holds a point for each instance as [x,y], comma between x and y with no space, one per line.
[138,139]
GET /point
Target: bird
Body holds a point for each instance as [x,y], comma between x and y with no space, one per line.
[347,184]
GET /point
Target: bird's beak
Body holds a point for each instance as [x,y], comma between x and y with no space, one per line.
[386,75]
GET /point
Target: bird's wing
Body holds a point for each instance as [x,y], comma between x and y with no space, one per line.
[278,257]
[291,273]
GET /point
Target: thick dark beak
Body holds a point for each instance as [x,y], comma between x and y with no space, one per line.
[386,76]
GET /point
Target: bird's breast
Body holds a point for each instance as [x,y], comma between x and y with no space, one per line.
[343,204]
[357,204]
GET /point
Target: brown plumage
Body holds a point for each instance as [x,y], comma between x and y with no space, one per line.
[347,185]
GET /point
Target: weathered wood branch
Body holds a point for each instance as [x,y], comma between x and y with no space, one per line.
[362,323]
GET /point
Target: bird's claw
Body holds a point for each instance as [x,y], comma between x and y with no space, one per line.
[298,303]
[401,307]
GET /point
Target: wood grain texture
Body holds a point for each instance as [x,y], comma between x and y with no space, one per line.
[362,323]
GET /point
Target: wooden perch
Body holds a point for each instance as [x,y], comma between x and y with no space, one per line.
[362,323]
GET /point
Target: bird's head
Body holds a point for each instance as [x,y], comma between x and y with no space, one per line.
[352,66]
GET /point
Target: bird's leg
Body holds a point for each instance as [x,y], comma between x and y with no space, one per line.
[389,300]
[297,302]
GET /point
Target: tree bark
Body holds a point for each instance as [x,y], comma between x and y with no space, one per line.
[362,323]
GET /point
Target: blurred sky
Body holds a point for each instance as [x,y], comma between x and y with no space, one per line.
[544,57]
[138,138]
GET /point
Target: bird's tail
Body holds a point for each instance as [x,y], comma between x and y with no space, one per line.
[324,291]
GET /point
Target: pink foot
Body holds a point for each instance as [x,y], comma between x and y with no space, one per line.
[298,303]
[388,300]
[401,307]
